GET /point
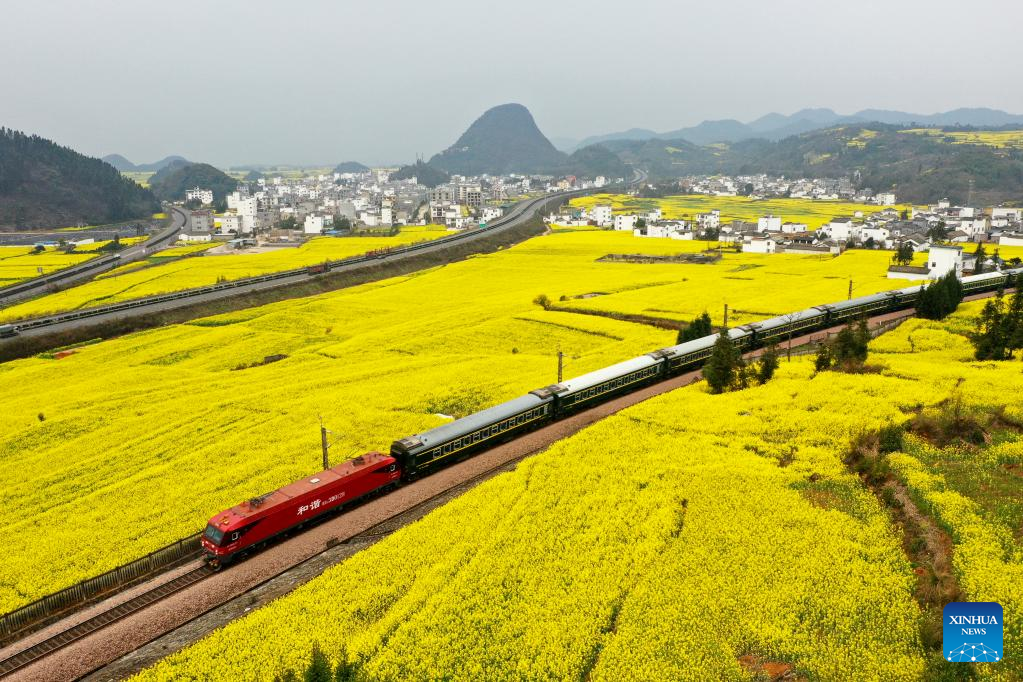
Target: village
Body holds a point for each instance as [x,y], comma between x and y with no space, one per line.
[287,210]
[941,229]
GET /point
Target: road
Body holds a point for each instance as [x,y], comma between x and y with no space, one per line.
[519,213]
[84,271]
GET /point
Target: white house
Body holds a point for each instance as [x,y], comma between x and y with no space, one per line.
[195,237]
[231,222]
[884,199]
[769,223]
[625,223]
[794,228]
[313,224]
[489,213]
[1011,239]
[973,226]
[601,215]
[203,196]
[710,220]
[842,229]
[759,245]
[944,259]
[880,235]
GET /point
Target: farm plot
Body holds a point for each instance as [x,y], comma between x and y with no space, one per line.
[193,407]
[690,537]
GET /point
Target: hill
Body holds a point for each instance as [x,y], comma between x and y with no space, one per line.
[124,165]
[424,173]
[119,162]
[45,185]
[920,168]
[173,180]
[503,140]
[776,126]
[596,160]
[351,167]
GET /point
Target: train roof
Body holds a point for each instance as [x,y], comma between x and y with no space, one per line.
[984,276]
[702,342]
[599,376]
[268,503]
[853,302]
[773,322]
[470,423]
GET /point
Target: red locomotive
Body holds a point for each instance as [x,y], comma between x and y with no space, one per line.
[248,525]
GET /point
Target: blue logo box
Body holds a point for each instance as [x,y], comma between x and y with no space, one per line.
[972,632]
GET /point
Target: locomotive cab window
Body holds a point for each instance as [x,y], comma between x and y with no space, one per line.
[213,535]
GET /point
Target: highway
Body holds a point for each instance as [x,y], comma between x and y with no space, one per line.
[76,274]
[519,213]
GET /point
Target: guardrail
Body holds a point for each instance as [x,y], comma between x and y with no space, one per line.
[52,607]
[519,210]
[48,609]
[810,347]
[73,271]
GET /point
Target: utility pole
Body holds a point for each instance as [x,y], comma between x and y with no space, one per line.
[324,445]
[561,364]
[725,323]
[850,287]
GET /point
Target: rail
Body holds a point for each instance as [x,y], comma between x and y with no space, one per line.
[38,614]
[75,270]
[50,608]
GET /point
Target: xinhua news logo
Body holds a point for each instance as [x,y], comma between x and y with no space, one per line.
[972,632]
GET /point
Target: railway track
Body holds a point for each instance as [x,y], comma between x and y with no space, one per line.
[382,529]
[96,623]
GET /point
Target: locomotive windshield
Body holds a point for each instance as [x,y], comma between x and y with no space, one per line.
[214,535]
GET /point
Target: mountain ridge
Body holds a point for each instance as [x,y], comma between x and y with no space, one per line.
[125,166]
[46,185]
[775,126]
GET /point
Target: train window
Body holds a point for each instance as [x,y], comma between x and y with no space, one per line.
[213,534]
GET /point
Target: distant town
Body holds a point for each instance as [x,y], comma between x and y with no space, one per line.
[279,209]
[937,228]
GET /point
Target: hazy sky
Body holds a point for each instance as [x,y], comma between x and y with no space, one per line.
[316,81]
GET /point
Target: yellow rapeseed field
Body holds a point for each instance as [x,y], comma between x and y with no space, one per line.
[19,263]
[813,213]
[182,408]
[669,541]
[1012,139]
[130,282]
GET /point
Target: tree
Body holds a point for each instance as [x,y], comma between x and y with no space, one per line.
[904,215]
[1013,323]
[342,223]
[980,254]
[720,370]
[346,670]
[903,254]
[697,329]
[640,222]
[768,364]
[989,340]
[870,243]
[940,297]
[938,233]
[847,351]
[544,301]
[823,360]
[319,667]
[289,223]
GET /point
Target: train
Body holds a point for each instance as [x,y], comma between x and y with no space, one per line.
[237,531]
